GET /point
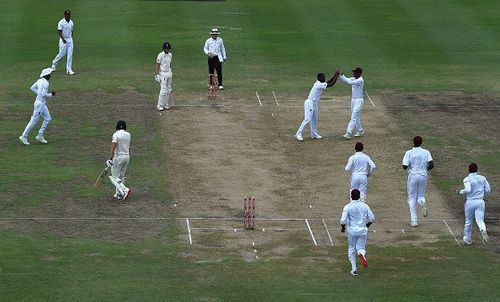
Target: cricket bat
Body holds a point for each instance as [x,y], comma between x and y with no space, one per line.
[101,176]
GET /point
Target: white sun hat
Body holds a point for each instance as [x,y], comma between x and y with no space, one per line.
[45,72]
[215,31]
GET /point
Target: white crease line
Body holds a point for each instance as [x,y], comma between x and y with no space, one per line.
[189,231]
[452,233]
[310,231]
[370,98]
[258,98]
[276,99]
[327,232]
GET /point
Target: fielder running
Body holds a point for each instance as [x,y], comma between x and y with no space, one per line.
[216,52]
[418,161]
[357,218]
[361,166]
[357,101]
[119,159]
[311,106]
[164,77]
[65,31]
[475,188]
[41,88]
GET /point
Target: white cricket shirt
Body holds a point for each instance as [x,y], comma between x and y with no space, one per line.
[66,28]
[215,46]
[164,59]
[357,86]
[122,140]
[355,216]
[41,88]
[416,159]
[360,163]
[316,91]
[476,186]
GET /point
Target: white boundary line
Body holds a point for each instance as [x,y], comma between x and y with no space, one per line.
[276,99]
[327,232]
[370,98]
[310,231]
[258,98]
[451,233]
[189,231]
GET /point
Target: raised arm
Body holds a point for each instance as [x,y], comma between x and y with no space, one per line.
[333,80]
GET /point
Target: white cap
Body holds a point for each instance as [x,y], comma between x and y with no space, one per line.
[215,31]
[45,72]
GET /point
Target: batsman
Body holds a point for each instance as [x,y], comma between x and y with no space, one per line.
[119,159]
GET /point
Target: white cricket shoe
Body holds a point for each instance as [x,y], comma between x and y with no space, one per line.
[117,196]
[166,107]
[347,135]
[359,133]
[299,137]
[161,109]
[24,140]
[317,137]
[484,234]
[414,224]
[126,193]
[70,72]
[221,88]
[354,273]
[425,211]
[467,241]
[41,139]
[53,67]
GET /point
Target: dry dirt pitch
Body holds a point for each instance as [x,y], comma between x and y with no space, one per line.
[220,151]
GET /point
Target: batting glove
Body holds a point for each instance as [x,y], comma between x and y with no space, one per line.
[157,78]
[109,162]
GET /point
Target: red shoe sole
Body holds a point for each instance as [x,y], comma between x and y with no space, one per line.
[364,262]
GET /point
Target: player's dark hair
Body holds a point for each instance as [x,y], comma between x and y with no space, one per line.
[321,77]
[417,141]
[358,147]
[121,125]
[473,168]
[355,194]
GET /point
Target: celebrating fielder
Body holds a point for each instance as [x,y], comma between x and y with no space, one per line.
[357,218]
[65,31]
[418,161]
[164,77]
[357,101]
[361,166]
[119,159]
[475,188]
[41,88]
[311,106]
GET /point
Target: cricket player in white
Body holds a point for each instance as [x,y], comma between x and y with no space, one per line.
[41,88]
[65,30]
[475,188]
[361,166]
[311,106]
[357,218]
[164,77]
[357,101]
[418,161]
[119,159]
[216,52]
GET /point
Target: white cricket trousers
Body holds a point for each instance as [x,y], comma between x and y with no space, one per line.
[355,122]
[65,49]
[473,209]
[39,109]
[357,245]
[165,89]
[360,182]
[118,169]
[416,186]
[311,113]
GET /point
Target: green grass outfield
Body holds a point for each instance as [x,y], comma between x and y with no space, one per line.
[416,45]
